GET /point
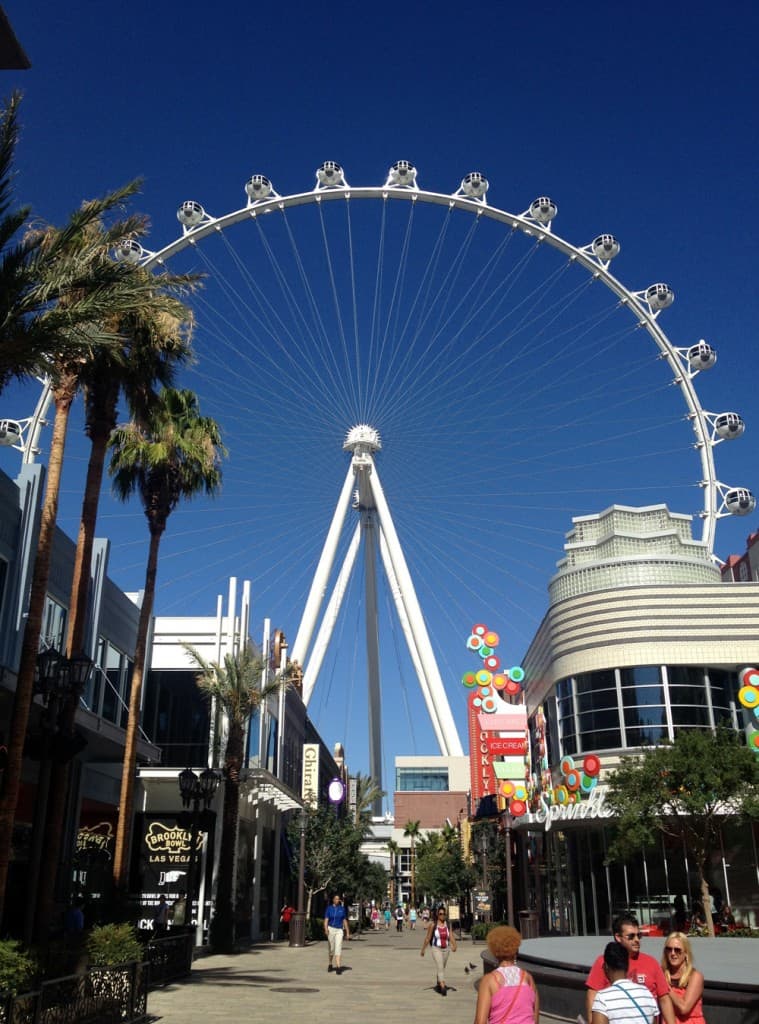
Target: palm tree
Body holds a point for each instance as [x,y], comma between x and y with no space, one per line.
[411,829]
[394,849]
[76,273]
[174,454]
[235,688]
[367,794]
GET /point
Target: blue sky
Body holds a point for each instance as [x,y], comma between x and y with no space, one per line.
[638,121]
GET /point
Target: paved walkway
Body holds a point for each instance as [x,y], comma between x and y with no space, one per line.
[384,979]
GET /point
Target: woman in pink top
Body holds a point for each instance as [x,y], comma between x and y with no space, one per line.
[507,995]
[686,983]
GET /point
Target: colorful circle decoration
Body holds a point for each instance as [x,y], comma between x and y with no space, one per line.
[591,765]
[572,780]
[479,630]
[469,679]
[483,677]
[500,681]
[507,788]
[474,642]
[561,795]
[588,784]
[516,673]
[512,688]
[517,808]
[754,740]
[566,764]
[492,662]
[749,677]
[491,639]
[749,696]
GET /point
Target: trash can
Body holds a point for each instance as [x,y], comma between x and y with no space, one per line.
[298,929]
[528,924]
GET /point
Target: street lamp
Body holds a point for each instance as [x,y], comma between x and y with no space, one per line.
[196,790]
[297,928]
[507,822]
[59,681]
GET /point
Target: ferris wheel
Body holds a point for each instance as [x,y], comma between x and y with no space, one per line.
[486,379]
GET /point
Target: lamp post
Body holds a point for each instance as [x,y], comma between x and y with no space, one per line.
[196,790]
[298,920]
[506,819]
[57,680]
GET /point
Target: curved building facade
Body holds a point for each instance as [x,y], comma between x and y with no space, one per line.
[641,640]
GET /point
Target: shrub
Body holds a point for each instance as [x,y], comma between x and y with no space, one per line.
[17,968]
[113,944]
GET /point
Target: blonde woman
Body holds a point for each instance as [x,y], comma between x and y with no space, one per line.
[686,984]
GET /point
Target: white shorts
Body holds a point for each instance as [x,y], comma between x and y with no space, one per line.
[335,939]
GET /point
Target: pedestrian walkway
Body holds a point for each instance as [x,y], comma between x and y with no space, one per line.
[384,976]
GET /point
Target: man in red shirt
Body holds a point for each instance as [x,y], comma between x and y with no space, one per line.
[642,968]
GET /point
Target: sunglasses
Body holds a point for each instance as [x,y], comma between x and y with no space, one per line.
[674,949]
[631,935]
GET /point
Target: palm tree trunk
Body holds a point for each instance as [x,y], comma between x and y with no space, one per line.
[126,801]
[223,924]
[80,584]
[22,698]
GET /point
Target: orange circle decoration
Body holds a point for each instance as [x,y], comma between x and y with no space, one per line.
[507,788]
[484,678]
[517,808]
[479,630]
[591,765]
[473,643]
[491,639]
[492,662]
[749,676]
[753,740]
[469,679]
[749,696]
[572,780]
[566,765]
[500,681]
[489,705]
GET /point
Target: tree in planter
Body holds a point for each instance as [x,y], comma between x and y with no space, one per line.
[685,790]
[331,846]
[174,454]
[235,688]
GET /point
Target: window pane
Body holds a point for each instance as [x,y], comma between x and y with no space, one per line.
[723,686]
[690,716]
[648,715]
[605,739]
[599,720]
[642,696]
[688,695]
[603,680]
[640,675]
[564,688]
[685,675]
[645,737]
[597,700]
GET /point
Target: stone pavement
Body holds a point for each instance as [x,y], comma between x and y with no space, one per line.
[384,977]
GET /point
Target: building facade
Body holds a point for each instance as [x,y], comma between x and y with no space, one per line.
[641,640]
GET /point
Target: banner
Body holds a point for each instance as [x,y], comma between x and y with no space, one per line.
[310,784]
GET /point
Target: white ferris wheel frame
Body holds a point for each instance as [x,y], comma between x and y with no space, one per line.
[362,472]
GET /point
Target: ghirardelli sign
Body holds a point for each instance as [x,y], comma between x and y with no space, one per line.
[97,838]
[310,784]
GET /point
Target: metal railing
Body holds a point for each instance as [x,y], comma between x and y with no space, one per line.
[102,995]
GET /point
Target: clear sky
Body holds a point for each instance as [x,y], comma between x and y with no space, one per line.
[504,410]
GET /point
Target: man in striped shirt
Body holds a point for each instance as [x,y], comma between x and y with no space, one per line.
[623,1001]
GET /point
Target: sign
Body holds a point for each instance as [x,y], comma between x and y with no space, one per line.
[502,746]
[165,847]
[548,814]
[336,791]
[481,775]
[310,783]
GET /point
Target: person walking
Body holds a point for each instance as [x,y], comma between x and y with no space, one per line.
[161,917]
[387,915]
[508,994]
[622,1001]
[399,918]
[412,918]
[285,914]
[642,969]
[686,984]
[441,941]
[335,926]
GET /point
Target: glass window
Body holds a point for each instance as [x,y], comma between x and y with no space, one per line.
[411,779]
[53,625]
[603,680]
[642,696]
[685,675]
[723,686]
[647,714]
[640,675]
[686,715]
[604,719]
[597,700]
[3,575]
[601,739]
[688,695]
[647,737]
